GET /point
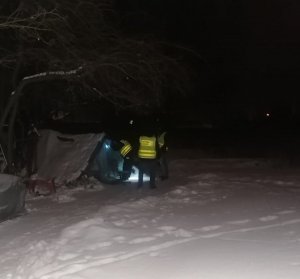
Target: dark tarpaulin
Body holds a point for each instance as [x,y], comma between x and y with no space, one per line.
[12,196]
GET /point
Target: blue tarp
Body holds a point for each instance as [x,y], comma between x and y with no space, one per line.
[106,164]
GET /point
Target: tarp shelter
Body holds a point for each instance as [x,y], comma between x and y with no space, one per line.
[64,157]
[12,196]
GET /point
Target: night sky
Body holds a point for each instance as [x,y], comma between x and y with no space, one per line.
[251,48]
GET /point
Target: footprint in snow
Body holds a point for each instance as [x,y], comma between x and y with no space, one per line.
[142,240]
[182,233]
[284,212]
[167,228]
[120,239]
[209,228]
[67,256]
[95,246]
[239,222]
[154,221]
[268,218]
[119,223]
[284,182]
[170,230]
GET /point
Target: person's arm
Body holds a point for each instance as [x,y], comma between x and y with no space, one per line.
[157,148]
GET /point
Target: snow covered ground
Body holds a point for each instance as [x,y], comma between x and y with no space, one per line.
[213,219]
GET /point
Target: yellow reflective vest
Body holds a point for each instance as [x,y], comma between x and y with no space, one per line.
[147,149]
[126,148]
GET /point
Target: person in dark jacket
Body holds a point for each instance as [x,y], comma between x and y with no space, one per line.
[164,168]
[127,154]
[126,151]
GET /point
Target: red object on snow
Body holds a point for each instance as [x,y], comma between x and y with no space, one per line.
[38,186]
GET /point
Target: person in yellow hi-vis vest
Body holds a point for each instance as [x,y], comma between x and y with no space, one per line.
[148,152]
[127,154]
[126,151]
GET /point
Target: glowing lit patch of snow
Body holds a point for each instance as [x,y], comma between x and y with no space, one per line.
[207,223]
[134,177]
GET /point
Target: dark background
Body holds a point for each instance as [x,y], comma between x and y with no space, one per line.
[250,49]
[246,99]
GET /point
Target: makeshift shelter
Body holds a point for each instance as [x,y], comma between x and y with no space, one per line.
[106,163]
[65,157]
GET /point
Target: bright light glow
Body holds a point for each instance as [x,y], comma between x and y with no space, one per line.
[106,146]
[134,177]
[267,114]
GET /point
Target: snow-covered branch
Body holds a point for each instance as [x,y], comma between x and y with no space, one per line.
[54,73]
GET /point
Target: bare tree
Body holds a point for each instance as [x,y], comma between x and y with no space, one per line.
[79,40]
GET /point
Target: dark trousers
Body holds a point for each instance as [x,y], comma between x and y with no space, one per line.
[164,168]
[127,168]
[147,166]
